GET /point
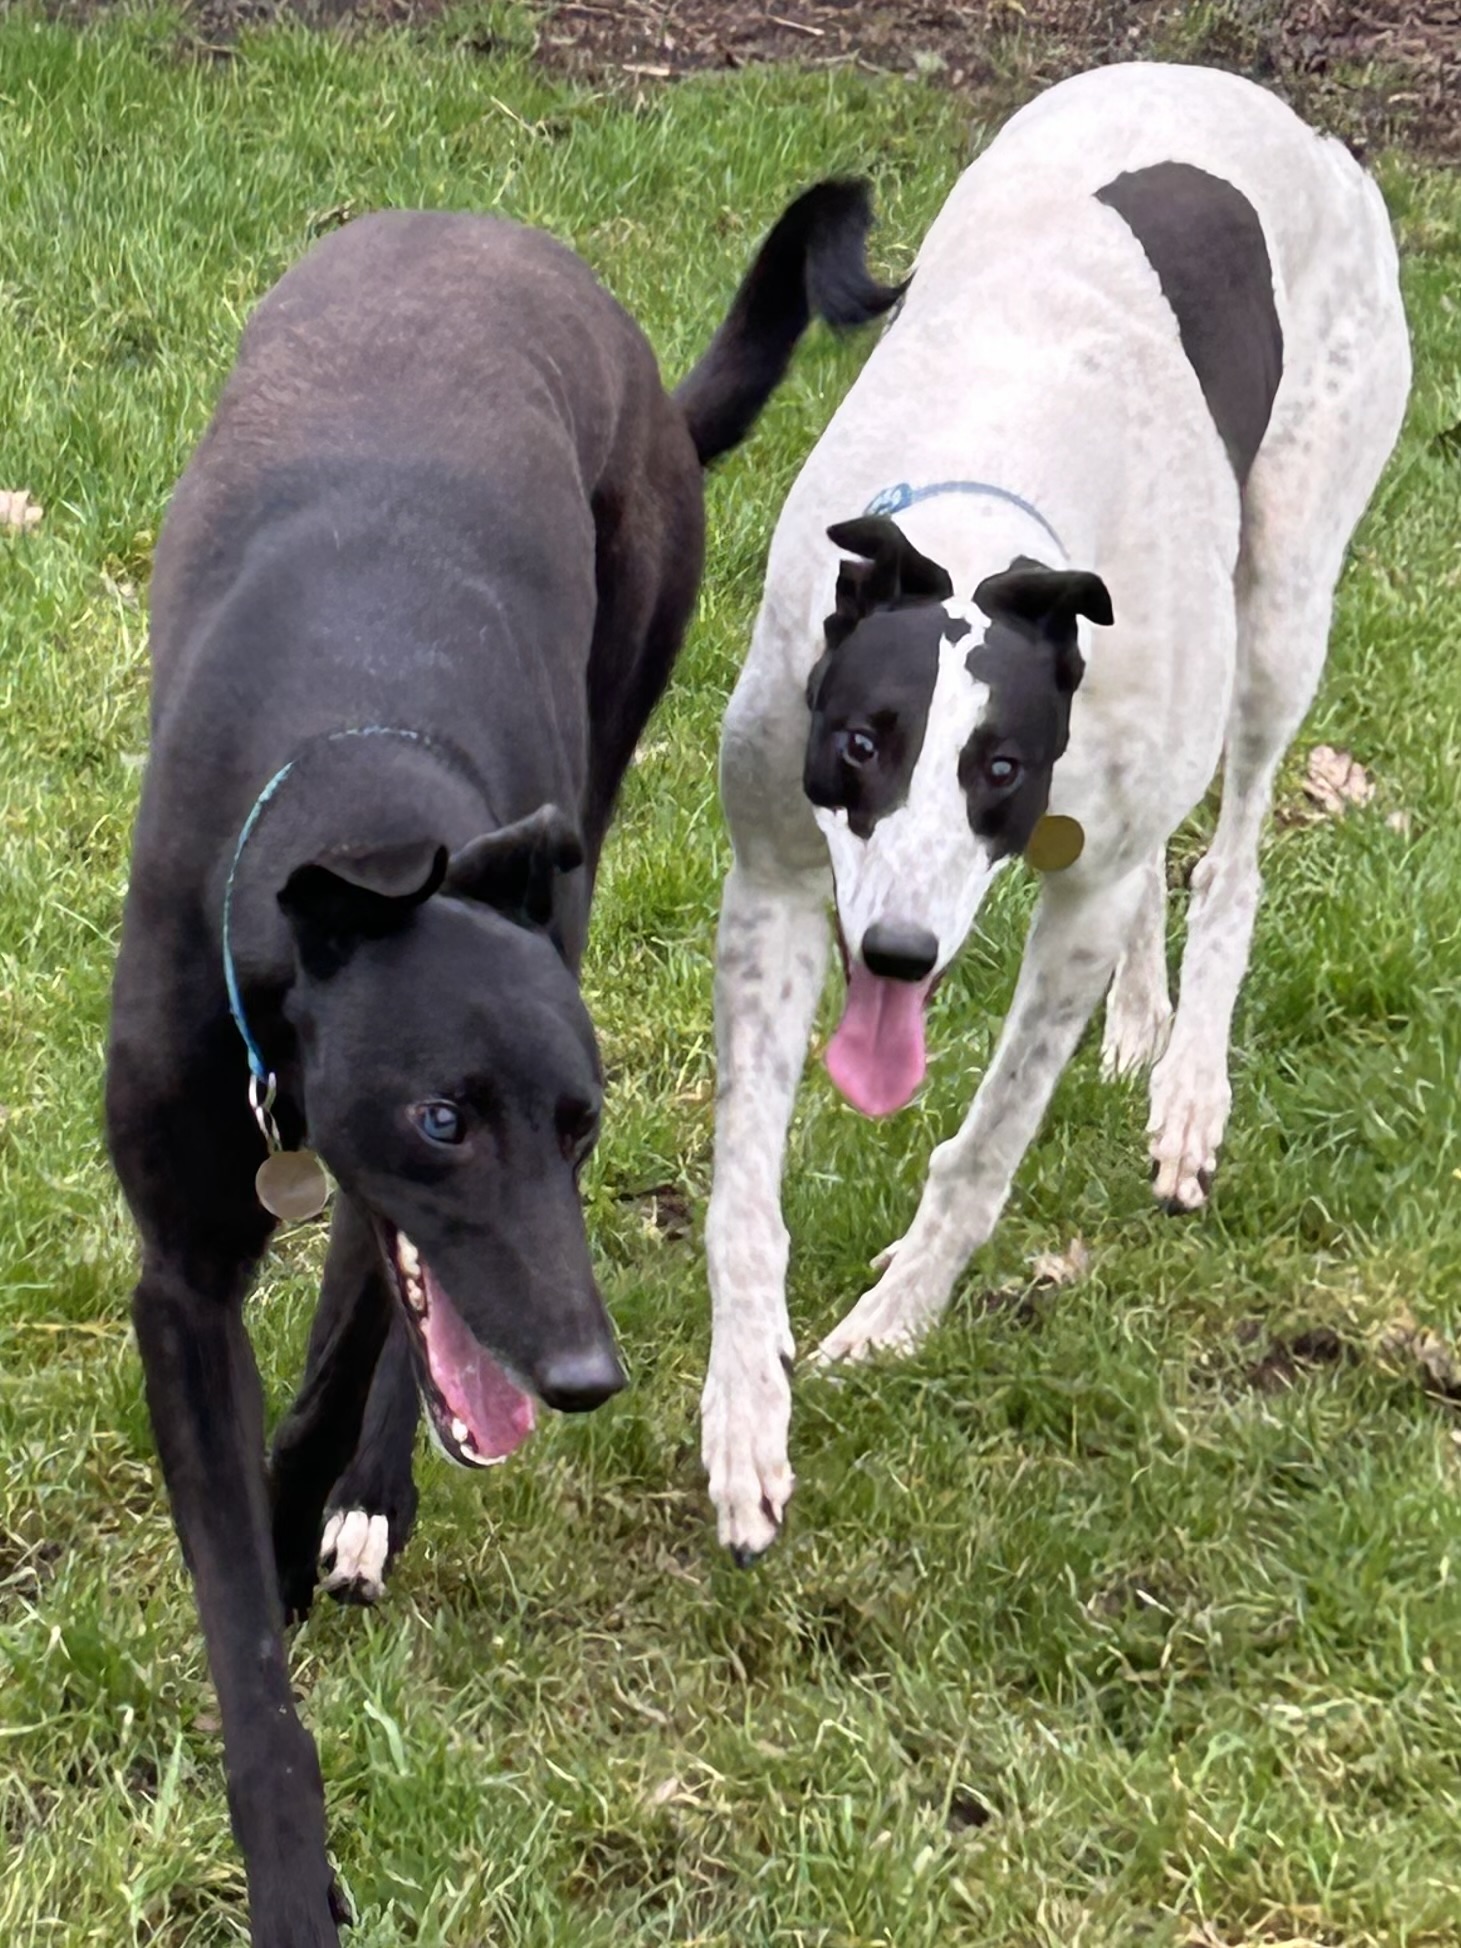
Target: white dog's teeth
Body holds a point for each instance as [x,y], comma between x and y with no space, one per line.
[416,1295]
[407,1256]
[461,1433]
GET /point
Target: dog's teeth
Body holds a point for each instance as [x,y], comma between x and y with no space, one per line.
[461,1433]
[415,1295]
[407,1256]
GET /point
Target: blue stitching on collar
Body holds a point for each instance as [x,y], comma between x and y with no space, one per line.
[257,1066]
[893,500]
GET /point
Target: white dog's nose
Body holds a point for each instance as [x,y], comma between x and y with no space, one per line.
[901,953]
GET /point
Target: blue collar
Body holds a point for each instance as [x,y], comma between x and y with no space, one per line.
[263,1076]
[893,500]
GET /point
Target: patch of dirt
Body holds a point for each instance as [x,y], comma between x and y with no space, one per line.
[664,1209]
[1286,1359]
[1373,71]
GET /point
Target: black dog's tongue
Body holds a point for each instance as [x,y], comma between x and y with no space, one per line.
[487,1409]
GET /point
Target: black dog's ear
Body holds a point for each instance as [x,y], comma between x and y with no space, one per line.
[891,574]
[1049,600]
[514,868]
[357,893]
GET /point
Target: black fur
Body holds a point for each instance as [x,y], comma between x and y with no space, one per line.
[444,501]
[1205,243]
[811,265]
[1032,666]
[870,692]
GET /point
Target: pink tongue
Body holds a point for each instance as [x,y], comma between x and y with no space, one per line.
[499,1416]
[876,1058]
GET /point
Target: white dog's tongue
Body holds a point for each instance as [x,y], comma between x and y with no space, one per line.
[499,1415]
[876,1058]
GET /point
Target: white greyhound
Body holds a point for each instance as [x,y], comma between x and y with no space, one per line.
[1151,364]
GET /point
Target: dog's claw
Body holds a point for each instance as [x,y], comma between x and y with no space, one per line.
[1190,1104]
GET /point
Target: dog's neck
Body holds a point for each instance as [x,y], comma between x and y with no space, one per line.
[380,788]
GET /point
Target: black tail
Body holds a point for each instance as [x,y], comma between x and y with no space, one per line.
[811,264]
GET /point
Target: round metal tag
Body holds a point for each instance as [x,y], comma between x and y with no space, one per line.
[1055,843]
[292,1185]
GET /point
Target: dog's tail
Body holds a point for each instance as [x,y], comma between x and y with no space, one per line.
[812,263]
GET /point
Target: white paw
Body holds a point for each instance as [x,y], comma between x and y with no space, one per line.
[353,1553]
[1137,1028]
[1190,1104]
[745,1419]
[892,1317]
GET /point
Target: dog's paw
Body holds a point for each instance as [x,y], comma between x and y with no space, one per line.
[1138,1025]
[1190,1104]
[892,1318]
[354,1551]
[745,1420]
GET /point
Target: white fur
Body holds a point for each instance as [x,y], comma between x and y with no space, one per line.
[353,1553]
[1035,351]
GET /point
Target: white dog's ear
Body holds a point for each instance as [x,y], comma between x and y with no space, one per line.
[890,575]
[1046,602]
[1050,598]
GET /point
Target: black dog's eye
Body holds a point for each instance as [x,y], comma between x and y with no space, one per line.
[857,747]
[578,1129]
[1003,770]
[440,1121]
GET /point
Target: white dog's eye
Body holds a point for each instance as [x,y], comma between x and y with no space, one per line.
[1002,771]
[857,747]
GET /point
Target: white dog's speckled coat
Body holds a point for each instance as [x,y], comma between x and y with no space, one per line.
[1036,350]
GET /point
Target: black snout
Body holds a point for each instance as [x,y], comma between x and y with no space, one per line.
[901,953]
[576,1383]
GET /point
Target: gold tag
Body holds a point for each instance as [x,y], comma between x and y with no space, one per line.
[1055,843]
[292,1185]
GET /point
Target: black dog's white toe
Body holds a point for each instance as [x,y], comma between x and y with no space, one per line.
[354,1551]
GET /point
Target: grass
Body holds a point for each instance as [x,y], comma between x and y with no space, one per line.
[1087,1630]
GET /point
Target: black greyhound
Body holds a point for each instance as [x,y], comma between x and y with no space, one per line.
[416,595]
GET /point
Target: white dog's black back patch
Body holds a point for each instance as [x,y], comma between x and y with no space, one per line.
[1206,245]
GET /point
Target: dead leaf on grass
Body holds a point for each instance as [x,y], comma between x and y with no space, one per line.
[1410,1344]
[1335,780]
[1062,1267]
[18,512]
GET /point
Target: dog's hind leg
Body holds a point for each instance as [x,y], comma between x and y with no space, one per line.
[1075,941]
[1139,1005]
[319,1435]
[371,1509]
[1310,483]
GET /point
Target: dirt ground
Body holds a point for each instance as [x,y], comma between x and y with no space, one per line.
[1374,71]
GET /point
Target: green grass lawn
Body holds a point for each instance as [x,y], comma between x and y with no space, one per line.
[1131,1615]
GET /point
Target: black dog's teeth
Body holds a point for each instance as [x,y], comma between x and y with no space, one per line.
[413,1280]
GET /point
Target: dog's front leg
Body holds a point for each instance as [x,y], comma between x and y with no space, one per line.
[1077,936]
[207,1414]
[321,1431]
[770,961]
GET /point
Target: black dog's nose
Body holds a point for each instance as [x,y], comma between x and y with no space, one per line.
[901,953]
[576,1383]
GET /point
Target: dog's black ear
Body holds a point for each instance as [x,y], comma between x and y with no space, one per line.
[1048,600]
[890,575]
[514,868]
[356,893]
